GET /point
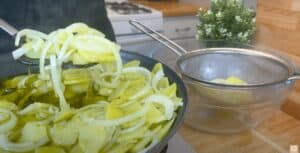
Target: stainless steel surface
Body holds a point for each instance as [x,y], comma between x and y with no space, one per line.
[257,68]
[152,48]
[8,28]
[12,32]
[220,108]
[296,76]
[183,29]
[159,37]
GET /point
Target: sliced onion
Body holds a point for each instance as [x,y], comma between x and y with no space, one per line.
[22,82]
[34,107]
[146,73]
[122,120]
[140,93]
[118,60]
[6,144]
[90,37]
[42,60]
[29,33]
[92,106]
[62,52]
[8,105]
[100,79]
[46,121]
[120,90]
[37,45]
[93,113]
[135,127]
[128,103]
[164,101]
[75,27]
[19,52]
[55,76]
[66,57]
[10,124]
[154,141]
[156,78]
[140,70]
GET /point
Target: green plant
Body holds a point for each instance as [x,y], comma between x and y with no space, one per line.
[227,20]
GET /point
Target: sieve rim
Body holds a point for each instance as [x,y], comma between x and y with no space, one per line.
[291,68]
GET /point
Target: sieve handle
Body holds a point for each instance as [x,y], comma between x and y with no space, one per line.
[296,76]
[177,49]
[8,28]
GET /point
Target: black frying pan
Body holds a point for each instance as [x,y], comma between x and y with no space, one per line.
[9,67]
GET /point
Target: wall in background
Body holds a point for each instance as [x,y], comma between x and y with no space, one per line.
[249,3]
[204,3]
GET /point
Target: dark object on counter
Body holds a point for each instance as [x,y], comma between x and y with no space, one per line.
[16,68]
[127,8]
[49,15]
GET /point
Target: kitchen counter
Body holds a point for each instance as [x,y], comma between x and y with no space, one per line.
[275,135]
[172,8]
[278,30]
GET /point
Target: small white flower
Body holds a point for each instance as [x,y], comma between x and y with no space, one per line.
[238,18]
[240,35]
[200,33]
[214,1]
[223,30]
[250,10]
[219,15]
[235,2]
[208,30]
[253,20]
[207,26]
[246,34]
[229,34]
[209,12]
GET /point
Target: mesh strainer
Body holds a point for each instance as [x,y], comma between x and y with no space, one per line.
[257,68]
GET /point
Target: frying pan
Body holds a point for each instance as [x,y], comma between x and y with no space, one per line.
[10,67]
